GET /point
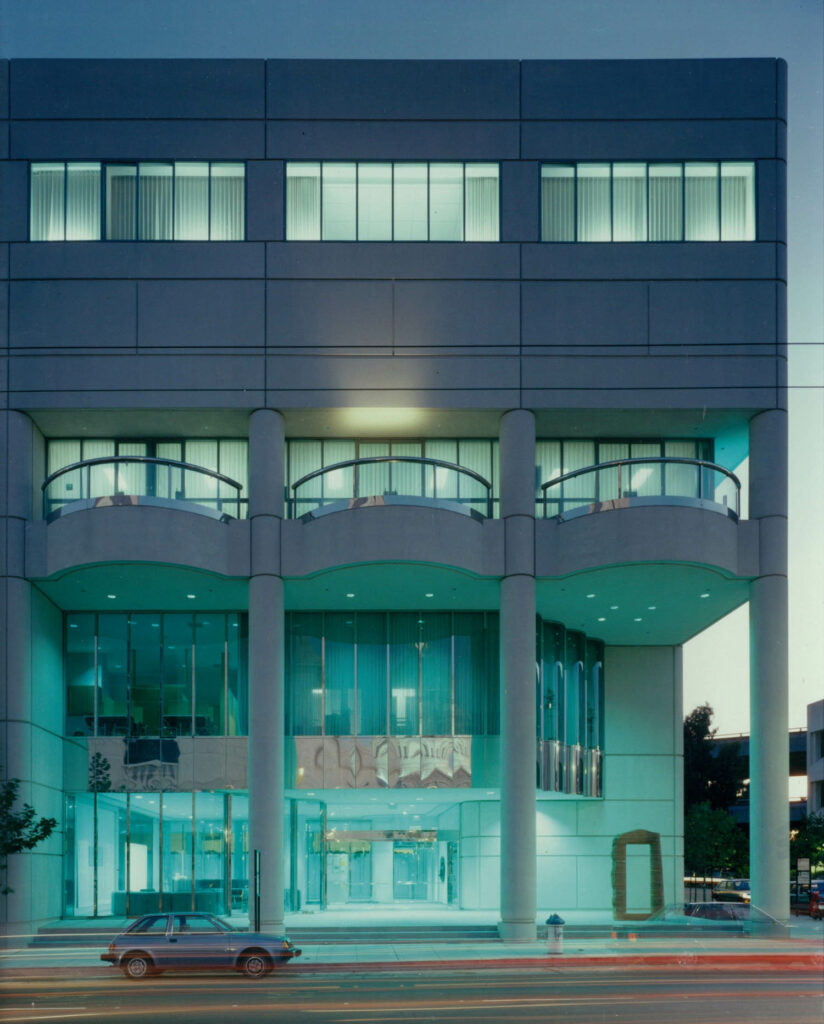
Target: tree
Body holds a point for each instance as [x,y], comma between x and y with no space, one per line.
[807,840]
[19,830]
[712,774]
[712,841]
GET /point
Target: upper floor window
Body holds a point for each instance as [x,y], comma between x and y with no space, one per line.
[151,201]
[404,202]
[648,202]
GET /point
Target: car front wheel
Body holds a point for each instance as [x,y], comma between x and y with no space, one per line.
[137,967]
[256,965]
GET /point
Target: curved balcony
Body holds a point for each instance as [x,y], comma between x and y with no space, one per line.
[141,480]
[627,483]
[391,480]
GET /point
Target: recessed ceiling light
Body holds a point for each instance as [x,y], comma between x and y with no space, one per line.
[651,607]
[613,607]
[637,619]
[350,595]
[428,595]
[590,595]
[155,625]
[111,597]
[72,625]
[706,593]
[191,596]
[602,619]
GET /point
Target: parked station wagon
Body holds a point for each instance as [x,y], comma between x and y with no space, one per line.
[192,942]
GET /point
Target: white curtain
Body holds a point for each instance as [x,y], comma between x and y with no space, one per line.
[737,202]
[304,457]
[406,477]
[681,479]
[121,201]
[47,203]
[646,479]
[410,202]
[102,478]
[82,202]
[227,203]
[629,202]
[339,202]
[665,215]
[338,483]
[558,203]
[66,487]
[445,202]
[191,201]
[481,203]
[701,202]
[199,486]
[594,203]
[155,202]
[440,481]
[303,202]
[374,202]
[581,489]
[131,476]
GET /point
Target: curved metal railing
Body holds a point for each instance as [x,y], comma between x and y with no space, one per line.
[401,476]
[656,480]
[121,477]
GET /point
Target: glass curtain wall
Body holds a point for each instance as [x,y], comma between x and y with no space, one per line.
[156,674]
[129,854]
[437,482]
[438,202]
[656,202]
[396,673]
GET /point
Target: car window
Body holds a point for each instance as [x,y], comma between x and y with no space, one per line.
[151,925]
[191,923]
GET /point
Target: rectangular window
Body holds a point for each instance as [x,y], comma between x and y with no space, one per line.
[702,201]
[445,202]
[151,201]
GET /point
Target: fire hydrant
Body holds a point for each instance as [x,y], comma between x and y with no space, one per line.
[555,934]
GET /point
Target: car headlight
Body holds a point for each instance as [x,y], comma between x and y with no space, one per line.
[286,944]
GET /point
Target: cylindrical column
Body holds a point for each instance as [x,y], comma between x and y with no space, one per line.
[266,684]
[769,726]
[517,630]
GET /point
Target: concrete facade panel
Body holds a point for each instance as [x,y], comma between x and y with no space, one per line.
[391,140]
[384,89]
[137,89]
[712,312]
[574,314]
[137,140]
[639,677]
[14,187]
[101,260]
[649,89]
[647,140]
[440,313]
[395,261]
[200,314]
[72,314]
[646,261]
[329,314]
[520,184]
[264,200]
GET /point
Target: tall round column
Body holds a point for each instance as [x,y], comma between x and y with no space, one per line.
[266,684]
[769,726]
[517,631]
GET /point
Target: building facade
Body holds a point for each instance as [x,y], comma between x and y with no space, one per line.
[371,435]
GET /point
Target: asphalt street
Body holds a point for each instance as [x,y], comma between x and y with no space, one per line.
[554,993]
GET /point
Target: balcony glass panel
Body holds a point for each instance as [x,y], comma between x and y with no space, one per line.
[373,478]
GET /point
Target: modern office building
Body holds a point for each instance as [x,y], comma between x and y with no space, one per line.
[371,438]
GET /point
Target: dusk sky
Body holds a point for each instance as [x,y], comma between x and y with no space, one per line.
[716,663]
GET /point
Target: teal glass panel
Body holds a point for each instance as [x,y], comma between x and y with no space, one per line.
[210,855]
[574,680]
[594,696]
[144,654]
[80,675]
[237,711]
[339,695]
[210,673]
[80,894]
[113,676]
[552,681]
[435,646]
[111,850]
[239,874]
[372,691]
[403,673]
[472,675]
[177,851]
[144,851]
[304,673]
[178,642]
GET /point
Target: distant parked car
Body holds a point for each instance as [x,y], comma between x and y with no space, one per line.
[807,903]
[732,890]
[192,942]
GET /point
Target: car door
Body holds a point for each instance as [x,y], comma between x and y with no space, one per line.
[199,942]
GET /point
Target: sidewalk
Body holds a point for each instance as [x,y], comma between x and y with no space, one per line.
[802,951]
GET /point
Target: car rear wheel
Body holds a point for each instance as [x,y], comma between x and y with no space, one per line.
[137,966]
[256,965]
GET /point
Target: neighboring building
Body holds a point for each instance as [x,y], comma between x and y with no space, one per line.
[370,436]
[815,757]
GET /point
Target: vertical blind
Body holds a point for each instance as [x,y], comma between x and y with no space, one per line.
[348,201]
[639,202]
[150,201]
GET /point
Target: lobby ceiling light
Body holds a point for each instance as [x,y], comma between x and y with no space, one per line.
[651,607]
[706,593]
[601,618]
[613,607]
[191,597]
[590,596]
[428,595]
[350,595]
[111,597]
[637,619]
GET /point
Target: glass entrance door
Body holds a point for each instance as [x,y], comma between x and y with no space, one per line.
[412,870]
